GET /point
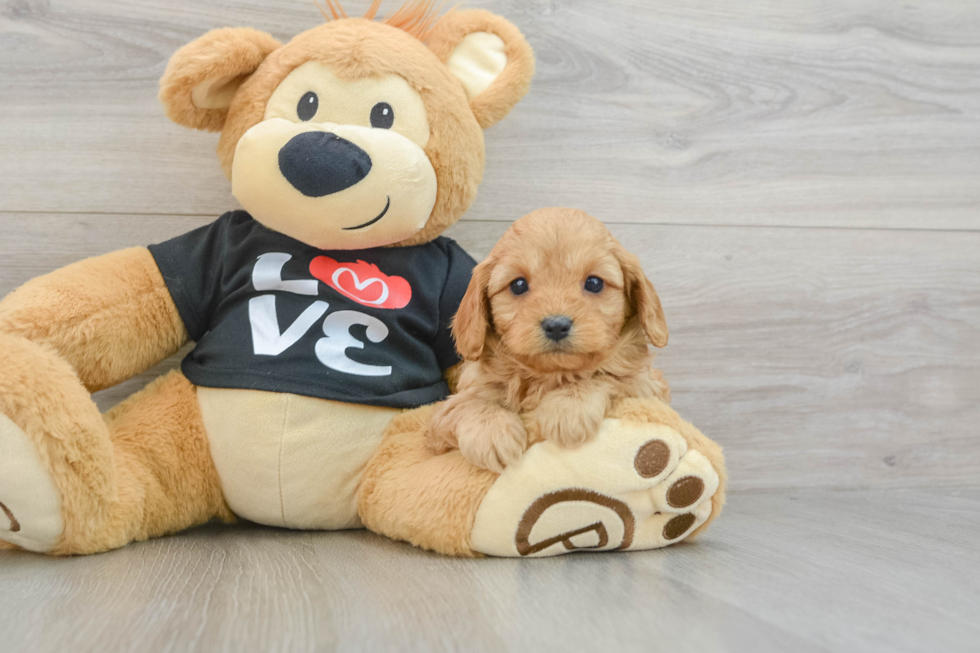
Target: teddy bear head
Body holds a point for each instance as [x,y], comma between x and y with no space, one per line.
[357,133]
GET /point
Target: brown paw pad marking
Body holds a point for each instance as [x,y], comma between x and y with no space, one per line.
[678,526]
[525,547]
[685,492]
[652,458]
[14,524]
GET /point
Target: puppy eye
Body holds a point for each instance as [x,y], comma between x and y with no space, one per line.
[519,286]
[594,285]
[307,107]
[382,116]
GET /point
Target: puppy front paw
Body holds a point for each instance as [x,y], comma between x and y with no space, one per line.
[440,436]
[492,438]
[568,423]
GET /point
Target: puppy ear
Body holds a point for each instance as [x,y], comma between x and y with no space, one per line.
[489,56]
[204,75]
[472,321]
[643,298]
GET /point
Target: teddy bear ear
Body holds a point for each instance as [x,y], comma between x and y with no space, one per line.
[489,56]
[204,75]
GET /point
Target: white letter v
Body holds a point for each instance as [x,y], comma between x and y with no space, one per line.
[266,339]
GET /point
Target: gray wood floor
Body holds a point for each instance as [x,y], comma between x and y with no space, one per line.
[801,571]
[801,180]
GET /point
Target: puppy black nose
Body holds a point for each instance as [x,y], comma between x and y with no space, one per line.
[320,163]
[556,327]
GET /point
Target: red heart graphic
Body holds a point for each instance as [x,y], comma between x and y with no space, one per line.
[363,282]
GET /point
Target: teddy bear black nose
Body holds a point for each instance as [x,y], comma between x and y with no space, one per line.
[556,327]
[321,163]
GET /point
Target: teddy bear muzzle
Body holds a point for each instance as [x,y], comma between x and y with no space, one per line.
[334,186]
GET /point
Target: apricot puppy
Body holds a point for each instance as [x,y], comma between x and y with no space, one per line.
[553,327]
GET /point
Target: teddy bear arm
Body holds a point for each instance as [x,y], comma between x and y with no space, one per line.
[111,317]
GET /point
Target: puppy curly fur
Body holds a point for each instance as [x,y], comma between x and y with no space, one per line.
[517,385]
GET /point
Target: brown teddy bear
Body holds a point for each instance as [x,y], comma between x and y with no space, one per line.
[320,314]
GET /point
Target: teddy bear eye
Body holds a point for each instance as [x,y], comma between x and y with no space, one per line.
[594,285]
[382,116]
[307,107]
[519,286]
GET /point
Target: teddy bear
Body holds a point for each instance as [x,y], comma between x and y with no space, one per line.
[321,320]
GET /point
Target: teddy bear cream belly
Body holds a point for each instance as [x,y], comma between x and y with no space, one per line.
[288,460]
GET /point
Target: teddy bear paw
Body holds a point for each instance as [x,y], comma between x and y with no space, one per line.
[635,486]
[30,504]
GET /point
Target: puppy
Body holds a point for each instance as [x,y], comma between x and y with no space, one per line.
[553,327]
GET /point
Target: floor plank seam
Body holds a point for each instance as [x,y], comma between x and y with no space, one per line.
[705,225]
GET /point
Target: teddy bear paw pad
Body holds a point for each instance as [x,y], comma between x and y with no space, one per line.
[634,486]
[30,504]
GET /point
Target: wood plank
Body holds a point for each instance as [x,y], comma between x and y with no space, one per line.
[801,571]
[817,357]
[779,113]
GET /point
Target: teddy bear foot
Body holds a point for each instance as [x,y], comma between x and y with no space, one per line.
[30,504]
[635,486]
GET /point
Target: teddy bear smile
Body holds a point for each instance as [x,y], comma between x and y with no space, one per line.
[372,221]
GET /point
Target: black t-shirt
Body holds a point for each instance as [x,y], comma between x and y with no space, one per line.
[270,313]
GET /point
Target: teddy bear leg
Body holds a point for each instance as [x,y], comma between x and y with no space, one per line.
[166,479]
[647,480]
[73,481]
[409,493]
